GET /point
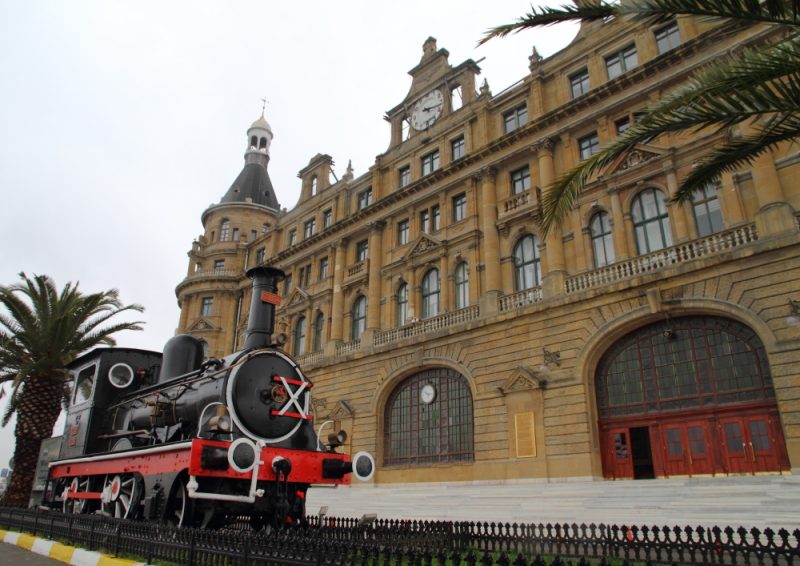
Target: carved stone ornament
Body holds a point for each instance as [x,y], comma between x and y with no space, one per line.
[342,411]
[424,245]
[794,306]
[202,325]
[522,379]
[319,405]
[552,357]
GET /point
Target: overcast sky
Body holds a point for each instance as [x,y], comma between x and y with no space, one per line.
[120,122]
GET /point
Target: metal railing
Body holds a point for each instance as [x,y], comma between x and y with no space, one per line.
[345,541]
[723,241]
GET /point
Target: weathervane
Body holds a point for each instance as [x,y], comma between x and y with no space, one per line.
[263,105]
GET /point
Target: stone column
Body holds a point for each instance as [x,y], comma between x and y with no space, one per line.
[412,292]
[445,282]
[553,283]
[619,228]
[775,216]
[337,306]
[309,344]
[676,211]
[375,286]
[491,240]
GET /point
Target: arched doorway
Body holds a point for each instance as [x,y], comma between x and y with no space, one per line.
[428,420]
[688,396]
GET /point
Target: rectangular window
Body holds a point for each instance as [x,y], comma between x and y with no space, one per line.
[622,124]
[253,235]
[264,228]
[425,221]
[435,218]
[327,218]
[515,118]
[667,38]
[362,250]
[589,145]
[260,255]
[404,175]
[323,268]
[84,384]
[707,210]
[623,60]
[305,275]
[430,162]
[520,180]
[219,265]
[364,199]
[235,237]
[309,227]
[206,305]
[579,83]
[457,148]
[292,237]
[459,207]
[402,232]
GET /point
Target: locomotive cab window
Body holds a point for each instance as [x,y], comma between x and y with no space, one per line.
[84,384]
[120,375]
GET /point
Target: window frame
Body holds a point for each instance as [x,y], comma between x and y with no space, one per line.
[626,58]
[461,281]
[515,118]
[459,207]
[458,148]
[668,32]
[309,226]
[299,337]
[520,180]
[323,269]
[642,224]
[359,316]
[404,176]
[430,295]
[713,216]
[430,162]
[602,239]
[327,218]
[401,309]
[588,145]
[206,306]
[364,198]
[362,250]
[522,263]
[580,82]
[403,230]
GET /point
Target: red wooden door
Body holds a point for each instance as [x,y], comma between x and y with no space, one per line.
[676,456]
[701,460]
[619,453]
[761,443]
[737,458]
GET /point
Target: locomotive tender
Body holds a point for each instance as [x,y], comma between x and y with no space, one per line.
[196,443]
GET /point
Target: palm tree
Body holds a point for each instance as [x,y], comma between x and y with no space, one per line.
[42,332]
[758,87]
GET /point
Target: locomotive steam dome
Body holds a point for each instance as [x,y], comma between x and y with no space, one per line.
[268,396]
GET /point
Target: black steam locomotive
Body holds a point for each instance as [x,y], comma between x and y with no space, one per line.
[196,443]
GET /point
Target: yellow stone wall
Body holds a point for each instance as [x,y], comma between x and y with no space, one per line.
[529,357]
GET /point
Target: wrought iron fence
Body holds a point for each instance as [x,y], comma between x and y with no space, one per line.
[340,541]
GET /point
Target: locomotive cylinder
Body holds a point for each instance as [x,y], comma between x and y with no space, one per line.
[261,322]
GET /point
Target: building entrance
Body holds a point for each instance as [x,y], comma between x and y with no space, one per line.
[688,397]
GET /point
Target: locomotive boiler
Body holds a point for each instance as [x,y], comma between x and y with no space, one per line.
[197,442]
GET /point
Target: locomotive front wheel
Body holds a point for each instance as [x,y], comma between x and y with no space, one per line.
[180,508]
[122,495]
[77,506]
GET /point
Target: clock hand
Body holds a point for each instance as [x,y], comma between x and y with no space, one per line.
[432,107]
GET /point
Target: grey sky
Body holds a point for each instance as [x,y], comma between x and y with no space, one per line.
[120,122]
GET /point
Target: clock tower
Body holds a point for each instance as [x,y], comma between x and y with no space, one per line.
[437,91]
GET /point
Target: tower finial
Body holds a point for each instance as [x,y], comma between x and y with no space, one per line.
[263,106]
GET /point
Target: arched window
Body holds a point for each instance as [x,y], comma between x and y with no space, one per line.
[224,230]
[650,221]
[359,317]
[428,419]
[527,263]
[681,364]
[299,346]
[602,241]
[430,294]
[707,212]
[462,285]
[402,304]
[319,325]
[263,143]
[253,141]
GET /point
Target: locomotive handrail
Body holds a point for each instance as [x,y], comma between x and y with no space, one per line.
[114,455]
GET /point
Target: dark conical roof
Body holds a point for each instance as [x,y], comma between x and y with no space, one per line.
[253,183]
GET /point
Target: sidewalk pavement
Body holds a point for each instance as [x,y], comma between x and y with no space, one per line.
[50,553]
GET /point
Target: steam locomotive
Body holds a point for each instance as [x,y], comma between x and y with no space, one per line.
[190,442]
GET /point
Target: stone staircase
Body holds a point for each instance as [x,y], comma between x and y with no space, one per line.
[749,501]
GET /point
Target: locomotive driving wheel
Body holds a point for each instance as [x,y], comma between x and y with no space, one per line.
[180,508]
[77,505]
[122,494]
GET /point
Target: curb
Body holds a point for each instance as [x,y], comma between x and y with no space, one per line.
[62,552]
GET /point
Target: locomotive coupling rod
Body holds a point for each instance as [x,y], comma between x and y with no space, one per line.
[192,486]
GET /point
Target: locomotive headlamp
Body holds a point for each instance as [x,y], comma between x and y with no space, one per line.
[336,439]
[242,455]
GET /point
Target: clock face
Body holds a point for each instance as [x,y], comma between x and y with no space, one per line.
[427,394]
[427,110]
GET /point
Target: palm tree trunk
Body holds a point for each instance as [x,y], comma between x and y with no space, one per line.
[38,407]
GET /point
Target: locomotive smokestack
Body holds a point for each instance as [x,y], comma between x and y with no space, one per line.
[261,322]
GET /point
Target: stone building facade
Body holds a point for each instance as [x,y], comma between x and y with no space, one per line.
[641,338]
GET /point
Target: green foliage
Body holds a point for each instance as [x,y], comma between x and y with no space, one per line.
[758,87]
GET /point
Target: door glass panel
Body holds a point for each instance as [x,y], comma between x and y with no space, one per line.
[621,445]
[674,446]
[697,443]
[733,437]
[758,431]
